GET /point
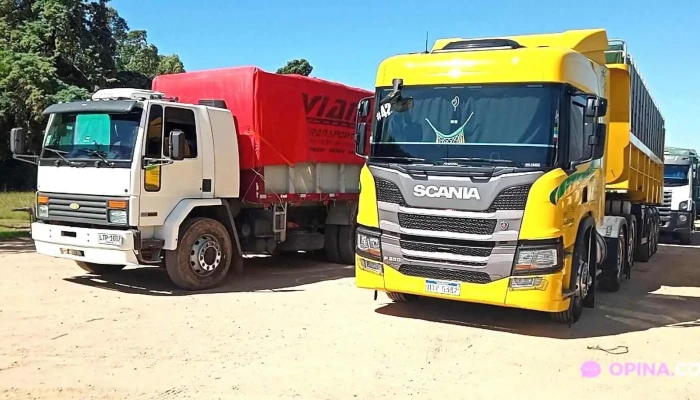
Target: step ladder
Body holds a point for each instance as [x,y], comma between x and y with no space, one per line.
[279,221]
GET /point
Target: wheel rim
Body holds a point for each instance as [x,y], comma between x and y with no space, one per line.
[584,278]
[621,255]
[630,244]
[205,255]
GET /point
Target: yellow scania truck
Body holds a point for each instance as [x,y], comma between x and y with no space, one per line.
[519,171]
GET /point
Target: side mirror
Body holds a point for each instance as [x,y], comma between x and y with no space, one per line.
[177,145]
[360,138]
[363,108]
[596,107]
[597,141]
[17,140]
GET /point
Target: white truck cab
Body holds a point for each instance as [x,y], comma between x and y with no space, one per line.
[681,191]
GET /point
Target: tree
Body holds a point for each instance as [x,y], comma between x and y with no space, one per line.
[299,67]
[62,50]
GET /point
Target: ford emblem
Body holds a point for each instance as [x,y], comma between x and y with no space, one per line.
[74,206]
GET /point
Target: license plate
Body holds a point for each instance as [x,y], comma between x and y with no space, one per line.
[442,287]
[110,239]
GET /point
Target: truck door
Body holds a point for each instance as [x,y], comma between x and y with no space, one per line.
[164,186]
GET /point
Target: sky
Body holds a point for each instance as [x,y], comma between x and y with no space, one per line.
[345,40]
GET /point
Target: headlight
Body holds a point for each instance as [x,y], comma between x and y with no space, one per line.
[42,211]
[537,260]
[117,216]
[368,244]
[684,205]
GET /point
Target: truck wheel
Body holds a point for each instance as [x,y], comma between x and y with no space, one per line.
[686,238]
[610,280]
[632,239]
[331,243]
[401,297]
[346,244]
[203,255]
[582,279]
[100,269]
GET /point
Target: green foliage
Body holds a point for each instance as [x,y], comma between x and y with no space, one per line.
[63,50]
[299,67]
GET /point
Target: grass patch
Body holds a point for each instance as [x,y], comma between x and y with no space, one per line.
[14,224]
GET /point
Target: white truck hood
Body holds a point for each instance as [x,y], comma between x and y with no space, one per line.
[103,181]
[678,195]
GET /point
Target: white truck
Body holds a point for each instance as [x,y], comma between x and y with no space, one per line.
[681,193]
[235,166]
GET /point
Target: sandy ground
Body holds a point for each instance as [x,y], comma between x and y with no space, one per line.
[299,329]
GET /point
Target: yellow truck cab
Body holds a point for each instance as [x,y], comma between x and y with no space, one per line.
[512,171]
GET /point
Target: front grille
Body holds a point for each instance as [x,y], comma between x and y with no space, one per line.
[388,192]
[512,198]
[91,209]
[447,224]
[445,273]
[665,207]
[446,248]
[442,261]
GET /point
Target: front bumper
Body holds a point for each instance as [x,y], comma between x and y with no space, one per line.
[547,297]
[673,224]
[83,244]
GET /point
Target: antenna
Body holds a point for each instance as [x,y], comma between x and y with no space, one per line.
[426,42]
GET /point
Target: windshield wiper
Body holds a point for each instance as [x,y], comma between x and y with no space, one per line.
[478,159]
[58,153]
[100,154]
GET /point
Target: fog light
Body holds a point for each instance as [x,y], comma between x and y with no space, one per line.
[528,283]
[42,211]
[682,218]
[371,266]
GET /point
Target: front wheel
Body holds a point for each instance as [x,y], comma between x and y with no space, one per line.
[202,257]
[582,279]
[100,269]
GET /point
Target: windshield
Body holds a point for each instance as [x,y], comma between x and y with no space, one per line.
[676,175]
[516,123]
[91,136]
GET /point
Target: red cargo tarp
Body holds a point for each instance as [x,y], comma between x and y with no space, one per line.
[282,119]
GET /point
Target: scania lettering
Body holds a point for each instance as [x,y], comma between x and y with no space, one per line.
[519,171]
[449,192]
[190,176]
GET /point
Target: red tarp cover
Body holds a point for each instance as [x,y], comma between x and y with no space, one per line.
[282,119]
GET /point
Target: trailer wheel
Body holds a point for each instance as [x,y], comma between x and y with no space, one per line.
[610,280]
[632,241]
[100,269]
[346,244]
[331,241]
[582,278]
[202,257]
[401,297]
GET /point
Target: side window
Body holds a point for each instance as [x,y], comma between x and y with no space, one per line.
[576,128]
[182,119]
[154,144]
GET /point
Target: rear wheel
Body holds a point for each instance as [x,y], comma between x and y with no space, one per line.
[100,269]
[331,238]
[203,255]
[401,297]
[611,280]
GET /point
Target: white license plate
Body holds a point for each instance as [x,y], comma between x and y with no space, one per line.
[442,287]
[110,239]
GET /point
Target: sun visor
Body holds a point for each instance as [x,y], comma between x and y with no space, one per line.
[108,107]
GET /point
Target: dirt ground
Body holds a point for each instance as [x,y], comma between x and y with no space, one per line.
[299,329]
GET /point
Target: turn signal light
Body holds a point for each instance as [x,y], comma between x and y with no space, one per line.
[42,199]
[117,204]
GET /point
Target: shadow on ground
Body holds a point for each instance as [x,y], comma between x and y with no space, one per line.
[280,273]
[664,292]
[17,246]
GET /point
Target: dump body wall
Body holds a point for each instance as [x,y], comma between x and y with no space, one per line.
[636,136]
[295,133]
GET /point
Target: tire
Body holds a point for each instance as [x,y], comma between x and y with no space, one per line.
[610,281]
[581,261]
[346,244]
[632,240]
[203,255]
[100,269]
[646,250]
[401,297]
[331,240]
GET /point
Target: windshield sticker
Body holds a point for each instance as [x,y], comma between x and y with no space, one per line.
[455,102]
[454,137]
[384,111]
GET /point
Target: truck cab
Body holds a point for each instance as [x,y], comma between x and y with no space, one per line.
[119,173]
[681,192]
